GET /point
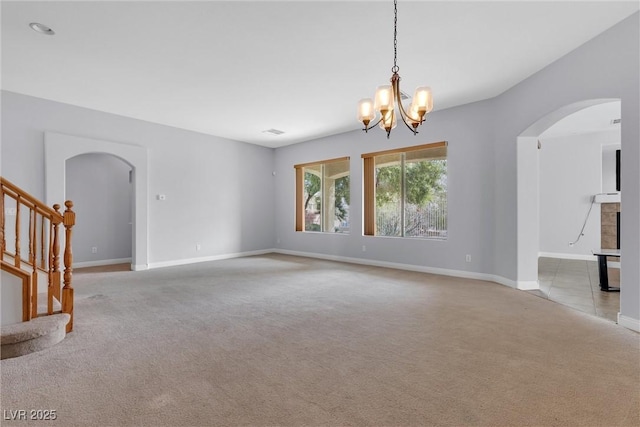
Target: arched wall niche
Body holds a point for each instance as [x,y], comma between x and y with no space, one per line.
[59,147]
[101,188]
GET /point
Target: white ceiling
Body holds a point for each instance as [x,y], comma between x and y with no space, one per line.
[235,69]
[596,118]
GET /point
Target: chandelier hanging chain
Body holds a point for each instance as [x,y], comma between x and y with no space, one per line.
[395,68]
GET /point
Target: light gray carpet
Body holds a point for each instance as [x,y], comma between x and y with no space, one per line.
[280,340]
[36,335]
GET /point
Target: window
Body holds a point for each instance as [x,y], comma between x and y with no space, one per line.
[405,192]
[322,196]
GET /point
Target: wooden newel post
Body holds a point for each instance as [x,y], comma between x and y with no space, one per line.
[69,220]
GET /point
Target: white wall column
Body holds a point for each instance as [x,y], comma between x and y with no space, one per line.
[528,219]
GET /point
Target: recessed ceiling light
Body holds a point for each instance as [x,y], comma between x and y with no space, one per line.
[42,29]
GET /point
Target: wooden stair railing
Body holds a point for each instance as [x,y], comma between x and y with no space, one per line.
[43,247]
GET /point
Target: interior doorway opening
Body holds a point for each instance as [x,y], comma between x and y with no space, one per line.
[101,188]
[565,170]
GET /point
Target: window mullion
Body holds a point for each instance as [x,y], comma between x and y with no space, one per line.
[323,200]
[369,172]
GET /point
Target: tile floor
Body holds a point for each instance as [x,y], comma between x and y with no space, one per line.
[575,283]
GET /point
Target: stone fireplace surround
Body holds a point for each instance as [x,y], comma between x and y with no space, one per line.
[609,214]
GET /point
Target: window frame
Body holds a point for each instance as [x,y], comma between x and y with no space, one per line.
[299,170]
[369,186]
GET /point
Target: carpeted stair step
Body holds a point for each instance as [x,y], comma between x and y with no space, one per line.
[35,335]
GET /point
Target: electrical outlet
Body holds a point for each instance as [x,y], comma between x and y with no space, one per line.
[94,250]
[468,258]
[364,248]
[198,247]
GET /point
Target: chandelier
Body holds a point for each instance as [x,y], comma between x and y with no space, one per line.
[388,97]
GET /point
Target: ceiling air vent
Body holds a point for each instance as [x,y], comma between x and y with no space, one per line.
[273,131]
[404,96]
[616,121]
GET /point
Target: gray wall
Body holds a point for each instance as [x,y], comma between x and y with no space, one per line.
[98,185]
[219,193]
[605,67]
[570,175]
[482,166]
[470,157]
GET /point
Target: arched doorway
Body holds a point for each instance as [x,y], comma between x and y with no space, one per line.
[101,188]
[59,148]
[528,192]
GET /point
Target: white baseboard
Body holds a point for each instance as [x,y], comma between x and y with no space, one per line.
[101,262]
[409,267]
[629,322]
[202,259]
[528,285]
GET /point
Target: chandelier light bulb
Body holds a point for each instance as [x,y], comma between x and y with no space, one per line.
[423,98]
[366,112]
[384,98]
[414,114]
